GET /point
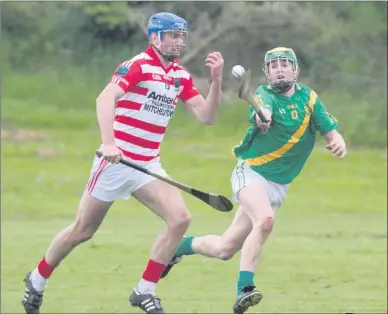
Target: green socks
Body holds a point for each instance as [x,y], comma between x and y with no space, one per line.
[184,247]
[245,279]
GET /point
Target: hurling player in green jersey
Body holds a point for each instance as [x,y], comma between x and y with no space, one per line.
[269,157]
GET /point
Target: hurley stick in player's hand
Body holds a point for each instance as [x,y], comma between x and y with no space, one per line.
[245,90]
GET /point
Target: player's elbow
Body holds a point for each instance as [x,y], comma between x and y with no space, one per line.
[206,119]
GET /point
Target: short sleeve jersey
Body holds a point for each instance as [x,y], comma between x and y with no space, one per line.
[151,94]
[280,154]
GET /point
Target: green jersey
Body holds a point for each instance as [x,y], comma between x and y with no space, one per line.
[280,154]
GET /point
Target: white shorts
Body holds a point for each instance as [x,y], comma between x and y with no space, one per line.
[109,182]
[243,175]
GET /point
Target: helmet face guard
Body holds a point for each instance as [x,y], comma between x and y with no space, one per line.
[172,33]
[173,43]
[285,59]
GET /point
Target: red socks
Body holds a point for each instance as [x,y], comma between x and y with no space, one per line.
[44,269]
[153,271]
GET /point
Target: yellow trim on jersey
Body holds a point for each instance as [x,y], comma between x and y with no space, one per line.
[258,161]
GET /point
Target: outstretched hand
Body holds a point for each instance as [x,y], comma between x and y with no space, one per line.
[337,147]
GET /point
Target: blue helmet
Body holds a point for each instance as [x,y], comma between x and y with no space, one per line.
[163,21]
[167,22]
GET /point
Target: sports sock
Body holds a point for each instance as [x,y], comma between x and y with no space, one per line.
[150,278]
[185,247]
[245,279]
[39,276]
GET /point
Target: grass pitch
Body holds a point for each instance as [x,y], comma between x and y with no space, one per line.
[327,254]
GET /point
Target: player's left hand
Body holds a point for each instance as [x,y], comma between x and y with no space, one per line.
[337,147]
[215,62]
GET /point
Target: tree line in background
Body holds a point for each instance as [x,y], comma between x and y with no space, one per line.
[341,46]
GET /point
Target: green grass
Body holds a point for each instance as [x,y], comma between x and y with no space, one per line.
[328,252]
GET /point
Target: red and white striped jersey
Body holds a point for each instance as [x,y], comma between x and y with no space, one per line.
[151,94]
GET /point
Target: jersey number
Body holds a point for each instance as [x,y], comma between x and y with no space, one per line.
[294,114]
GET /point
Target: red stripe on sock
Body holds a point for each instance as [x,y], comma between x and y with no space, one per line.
[44,269]
[153,271]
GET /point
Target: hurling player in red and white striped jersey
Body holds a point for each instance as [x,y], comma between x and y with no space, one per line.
[133,112]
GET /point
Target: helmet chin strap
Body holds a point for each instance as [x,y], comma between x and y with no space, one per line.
[169,58]
[283,87]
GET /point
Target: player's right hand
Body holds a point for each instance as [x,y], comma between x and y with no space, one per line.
[264,126]
[111,153]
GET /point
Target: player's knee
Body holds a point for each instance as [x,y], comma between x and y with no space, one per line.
[83,237]
[180,220]
[265,225]
[81,233]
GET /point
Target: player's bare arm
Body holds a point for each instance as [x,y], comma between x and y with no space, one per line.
[105,104]
[206,109]
[335,143]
